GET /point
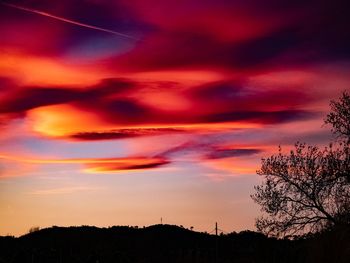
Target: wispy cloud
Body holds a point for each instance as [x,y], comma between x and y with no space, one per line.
[93,165]
[65,190]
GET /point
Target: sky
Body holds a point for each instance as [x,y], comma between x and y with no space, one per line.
[123,112]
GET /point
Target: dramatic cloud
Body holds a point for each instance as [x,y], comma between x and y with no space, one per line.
[267,117]
[127,166]
[240,35]
[118,108]
[228,153]
[123,133]
[32,97]
[98,164]
[200,68]
[209,147]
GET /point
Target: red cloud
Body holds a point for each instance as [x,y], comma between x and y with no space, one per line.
[121,108]
[195,70]
[141,164]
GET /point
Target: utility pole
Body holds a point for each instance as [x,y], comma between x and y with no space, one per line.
[216,242]
[161,220]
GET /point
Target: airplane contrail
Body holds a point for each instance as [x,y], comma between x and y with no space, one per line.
[35,11]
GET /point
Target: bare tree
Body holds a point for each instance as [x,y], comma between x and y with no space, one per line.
[308,189]
[339,117]
[302,192]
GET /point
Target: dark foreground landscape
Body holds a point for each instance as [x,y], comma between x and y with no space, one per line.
[168,243]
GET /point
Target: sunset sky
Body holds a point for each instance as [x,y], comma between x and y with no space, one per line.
[120,112]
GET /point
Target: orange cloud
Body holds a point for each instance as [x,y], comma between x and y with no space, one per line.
[61,120]
[189,77]
[32,70]
[66,121]
[99,164]
[233,166]
[164,100]
[64,190]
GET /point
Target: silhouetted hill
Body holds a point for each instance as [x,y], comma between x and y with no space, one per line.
[168,243]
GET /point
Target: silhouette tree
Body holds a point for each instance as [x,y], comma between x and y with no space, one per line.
[34,229]
[307,190]
[339,117]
